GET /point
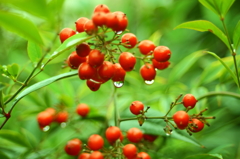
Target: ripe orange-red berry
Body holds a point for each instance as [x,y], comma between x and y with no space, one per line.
[73,147]
[95,142]
[181,119]
[83,109]
[189,101]
[66,33]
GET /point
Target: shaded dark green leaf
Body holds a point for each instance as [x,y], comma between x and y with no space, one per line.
[24,27]
[34,51]
[203,26]
[14,137]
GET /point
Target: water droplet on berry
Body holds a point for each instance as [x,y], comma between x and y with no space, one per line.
[149,82]
[118,84]
[119,32]
[46,128]
[63,125]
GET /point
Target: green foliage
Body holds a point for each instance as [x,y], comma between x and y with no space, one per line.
[34,52]
[236,35]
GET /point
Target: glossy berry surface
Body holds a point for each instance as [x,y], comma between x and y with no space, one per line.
[136,107]
[106,71]
[113,133]
[181,119]
[101,8]
[143,155]
[162,53]
[127,61]
[95,142]
[83,109]
[93,86]
[73,147]
[74,60]
[134,135]
[89,27]
[146,47]
[95,58]
[189,101]
[195,125]
[119,73]
[96,155]
[85,71]
[80,24]
[99,18]
[160,65]
[84,155]
[83,50]
[61,117]
[129,40]
[65,34]
[44,118]
[130,151]
[148,72]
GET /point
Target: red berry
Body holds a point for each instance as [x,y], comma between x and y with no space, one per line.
[160,65]
[95,142]
[149,137]
[89,27]
[143,155]
[52,111]
[106,71]
[82,109]
[119,73]
[61,117]
[130,151]
[84,156]
[146,47]
[85,71]
[162,53]
[74,60]
[129,39]
[101,8]
[134,135]
[147,72]
[189,101]
[66,33]
[136,107]
[44,118]
[93,86]
[99,18]
[113,133]
[96,155]
[195,125]
[73,147]
[127,61]
[181,119]
[95,58]
[80,24]
[122,22]
[83,49]
[111,20]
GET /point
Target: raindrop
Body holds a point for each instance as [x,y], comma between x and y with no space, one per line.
[46,128]
[119,32]
[149,82]
[118,84]
[63,125]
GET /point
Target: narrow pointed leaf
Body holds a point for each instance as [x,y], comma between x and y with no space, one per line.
[220,7]
[21,26]
[203,26]
[236,36]
[34,51]
[14,137]
[205,156]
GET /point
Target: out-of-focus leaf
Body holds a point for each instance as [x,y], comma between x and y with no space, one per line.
[14,137]
[4,156]
[182,67]
[220,7]
[43,84]
[13,69]
[34,51]
[30,137]
[204,25]
[205,156]
[21,26]
[38,8]
[236,35]
[155,37]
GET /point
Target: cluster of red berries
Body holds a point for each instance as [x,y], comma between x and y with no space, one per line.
[94,149]
[49,115]
[98,64]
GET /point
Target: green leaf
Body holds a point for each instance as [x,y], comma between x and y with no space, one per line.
[185,65]
[220,7]
[13,69]
[225,65]
[34,51]
[43,83]
[14,137]
[236,35]
[204,25]
[4,156]
[205,156]
[30,137]
[70,43]
[21,26]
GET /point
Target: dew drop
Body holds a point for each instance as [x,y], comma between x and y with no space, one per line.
[149,82]
[63,125]
[118,84]
[46,128]
[119,32]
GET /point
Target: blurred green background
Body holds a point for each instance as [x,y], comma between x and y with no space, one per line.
[190,72]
